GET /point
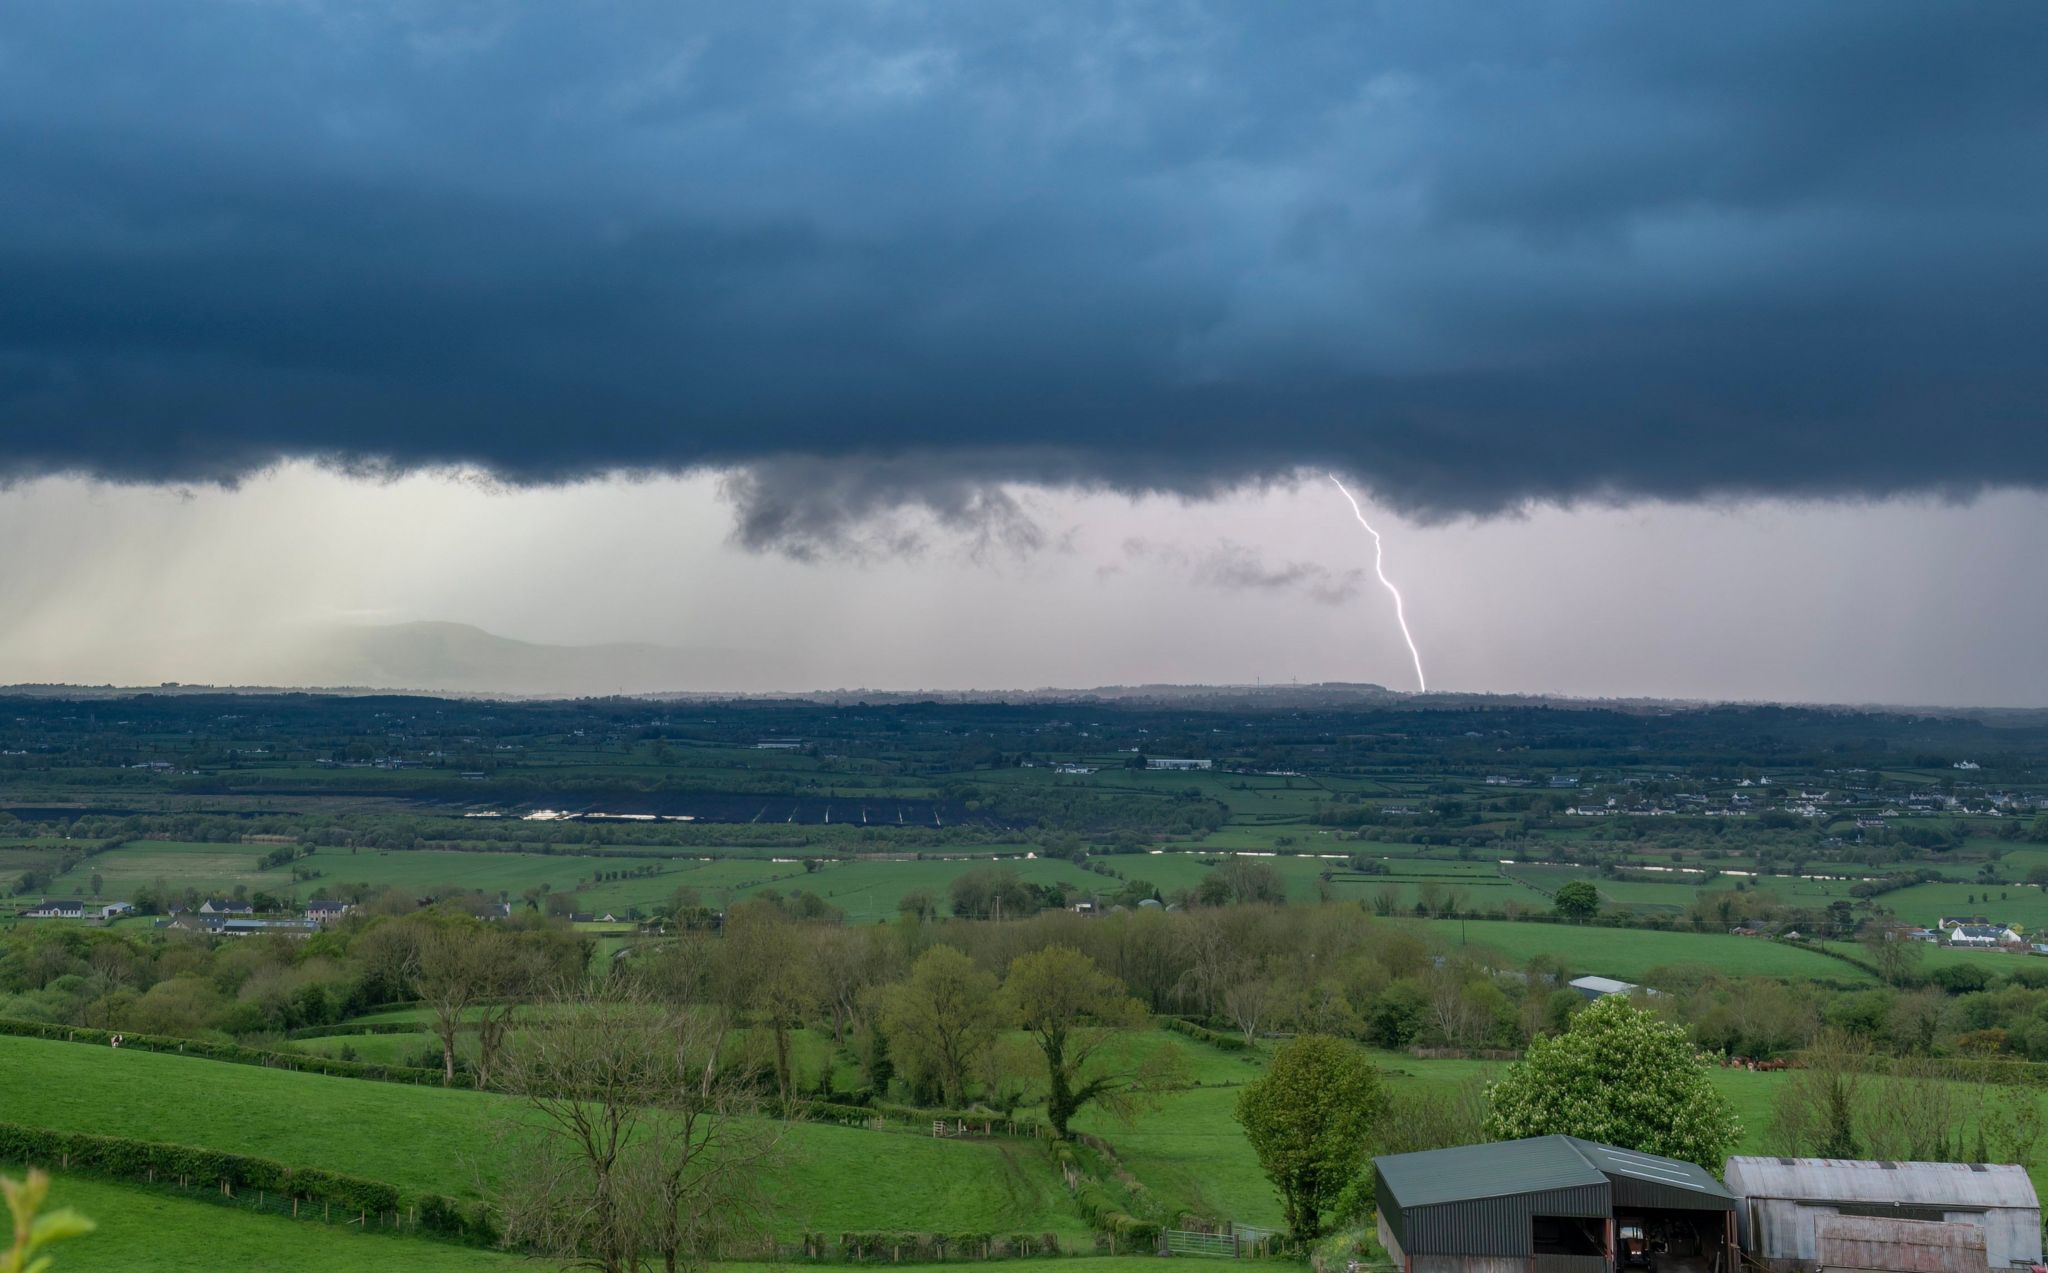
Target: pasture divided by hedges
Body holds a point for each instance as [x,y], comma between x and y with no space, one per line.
[434,1140]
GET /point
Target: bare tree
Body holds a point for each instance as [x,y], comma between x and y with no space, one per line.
[513,971]
[1248,996]
[451,973]
[1820,1108]
[621,1160]
[1916,1112]
[850,961]
[1895,956]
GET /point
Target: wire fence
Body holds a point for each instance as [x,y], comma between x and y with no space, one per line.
[222,1193]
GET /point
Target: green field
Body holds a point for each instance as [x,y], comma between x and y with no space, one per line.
[868,891]
[143,1229]
[1631,953]
[219,868]
[811,1051]
[435,1140]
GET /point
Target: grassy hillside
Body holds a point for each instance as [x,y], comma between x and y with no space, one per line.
[444,1141]
[149,1230]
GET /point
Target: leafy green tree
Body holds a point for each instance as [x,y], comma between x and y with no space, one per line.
[1073,1012]
[1310,1119]
[943,1020]
[1577,899]
[1620,1076]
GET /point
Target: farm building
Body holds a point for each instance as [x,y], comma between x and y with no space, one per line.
[1982,935]
[1551,1204]
[1802,1213]
[1602,987]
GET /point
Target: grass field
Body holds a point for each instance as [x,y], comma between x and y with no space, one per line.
[150,1230]
[218,868]
[811,1051]
[445,1141]
[869,891]
[1630,953]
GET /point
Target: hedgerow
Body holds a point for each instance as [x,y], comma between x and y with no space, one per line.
[153,1162]
[206,1049]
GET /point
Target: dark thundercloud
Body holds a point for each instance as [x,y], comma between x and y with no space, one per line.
[870,255]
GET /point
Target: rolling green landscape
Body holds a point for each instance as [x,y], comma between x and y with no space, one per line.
[834,943]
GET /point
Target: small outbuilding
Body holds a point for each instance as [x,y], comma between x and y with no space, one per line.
[1551,1204]
[1800,1214]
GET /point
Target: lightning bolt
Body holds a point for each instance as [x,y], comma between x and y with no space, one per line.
[1378,553]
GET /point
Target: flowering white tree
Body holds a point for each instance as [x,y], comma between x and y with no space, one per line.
[1620,1076]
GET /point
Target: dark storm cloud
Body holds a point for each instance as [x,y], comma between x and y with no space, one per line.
[1476,254]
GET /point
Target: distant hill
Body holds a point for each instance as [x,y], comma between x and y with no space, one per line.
[461,659]
[451,658]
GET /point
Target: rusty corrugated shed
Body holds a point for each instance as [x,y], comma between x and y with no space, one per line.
[1784,1201]
[1900,1246]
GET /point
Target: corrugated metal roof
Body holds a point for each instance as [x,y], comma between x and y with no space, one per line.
[1652,1168]
[1466,1172]
[1605,985]
[1848,1180]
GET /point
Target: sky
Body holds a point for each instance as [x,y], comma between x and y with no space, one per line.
[1683,352]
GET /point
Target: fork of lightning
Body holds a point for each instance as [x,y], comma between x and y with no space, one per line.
[1379,568]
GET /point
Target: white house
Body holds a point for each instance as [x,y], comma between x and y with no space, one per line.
[57,909]
[113,910]
[1982,935]
[1172,762]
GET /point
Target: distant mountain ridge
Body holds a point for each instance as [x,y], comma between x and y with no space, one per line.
[463,660]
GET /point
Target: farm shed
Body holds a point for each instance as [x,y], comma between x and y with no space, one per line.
[1551,1204]
[1789,1208]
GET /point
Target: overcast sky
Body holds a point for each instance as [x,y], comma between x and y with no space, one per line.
[1684,351]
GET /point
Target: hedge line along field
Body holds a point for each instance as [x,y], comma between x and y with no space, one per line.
[144,1228]
[446,1141]
[870,890]
[149,1229]
[1629,953]
[219,868]
[811,1051]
